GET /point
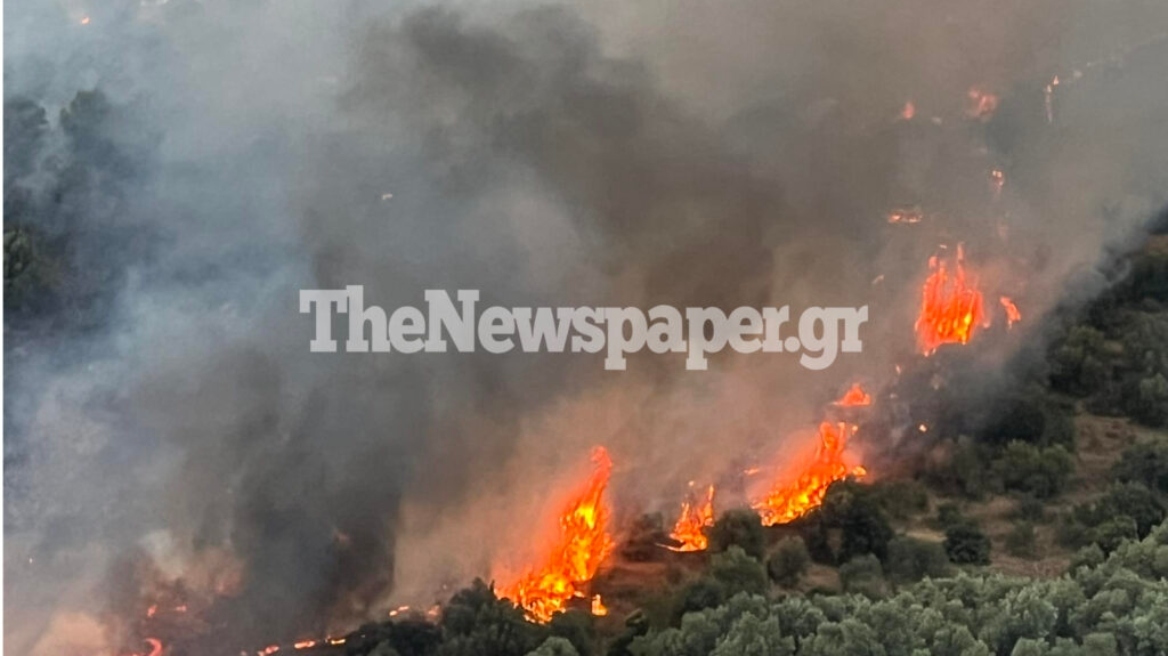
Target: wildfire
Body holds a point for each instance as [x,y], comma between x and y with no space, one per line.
[583,546]
[1013,316]
[951,306]
[789,500]
[980,104]
[692,524]
[908,112]
[854,397]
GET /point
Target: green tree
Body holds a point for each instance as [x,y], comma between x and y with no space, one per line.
[741,527]
[911,559]
[863,574]
[789,561]
[1021,540]
[965,544]
[1145,462]
[738,572]
[554,646]
[1027,468]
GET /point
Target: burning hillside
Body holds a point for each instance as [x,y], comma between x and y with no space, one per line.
[583,545]
[191,470]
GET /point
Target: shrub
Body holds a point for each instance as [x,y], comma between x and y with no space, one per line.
[702,593]
[1076,365]
[576,626]
[949,514]
[1029,509]
[554,646]
[966,471]
[1089,556]
[738,572]
[1071,533]
[1145,462]
[1027,468]
[1150,403]
[864,575]
[1113,532]
[789,562]
[1133,500]
[741,528]
[645,536]
[1016,419]
[911,559]
[901,499]
[852,508]
[965,544]
[1021,540]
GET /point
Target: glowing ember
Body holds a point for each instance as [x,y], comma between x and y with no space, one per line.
[155,648]
[690,529]
[980,104]
[997,181]
[907,215]
[1048,99]
[855,396]
[789,500]
[1013,316]
[951,306]
[583,546]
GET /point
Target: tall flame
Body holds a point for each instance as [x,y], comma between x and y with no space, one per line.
[690,529]
[583,545]
[951,306]
[788,500]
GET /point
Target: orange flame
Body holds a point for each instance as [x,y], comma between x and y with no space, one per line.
[905,215]
[997,181]
[598,607]
[156,648]
[789,500]
[854,397]
[1013,316]
[951,306]
[584,544]
[692,524]
[981,104]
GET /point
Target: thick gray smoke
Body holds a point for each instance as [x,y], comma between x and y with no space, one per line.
[607,154]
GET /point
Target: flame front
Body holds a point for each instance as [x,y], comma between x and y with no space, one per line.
[789,500]
[951,306]
[690,529]
[583,545]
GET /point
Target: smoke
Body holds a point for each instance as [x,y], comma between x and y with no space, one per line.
[602,154]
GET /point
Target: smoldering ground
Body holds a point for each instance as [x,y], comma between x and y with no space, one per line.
[743,154]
